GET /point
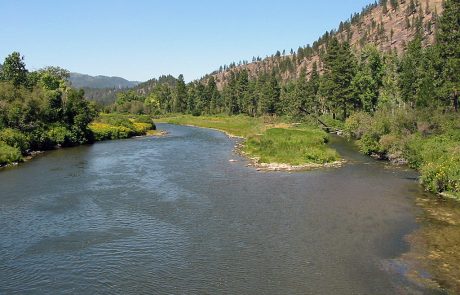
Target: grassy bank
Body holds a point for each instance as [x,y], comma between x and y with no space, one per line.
[269,140]
[15,146]
[428,141]
[120,126]
[240,126]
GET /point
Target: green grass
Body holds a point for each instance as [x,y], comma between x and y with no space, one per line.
[242,126]
[269,139]
[291,146]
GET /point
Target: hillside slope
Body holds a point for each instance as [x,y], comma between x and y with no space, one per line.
[386,26]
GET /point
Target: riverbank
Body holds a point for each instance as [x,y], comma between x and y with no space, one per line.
[271,144]
[426,141]
[121,126]
[104,127]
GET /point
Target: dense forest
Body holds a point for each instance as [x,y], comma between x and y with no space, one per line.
[397,105]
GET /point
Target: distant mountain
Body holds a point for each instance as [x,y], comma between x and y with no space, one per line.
[106,96]
[100,82]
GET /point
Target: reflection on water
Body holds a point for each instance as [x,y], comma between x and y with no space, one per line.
[173,215]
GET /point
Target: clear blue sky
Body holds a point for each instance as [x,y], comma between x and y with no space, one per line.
[142,39]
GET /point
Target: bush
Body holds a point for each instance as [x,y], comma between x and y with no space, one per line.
[59,135]
[115,120]
[369,143]
[9,154]
[103,131]
[144,119]
[141,128]
[443,175]
[357,124]
[429,141]
[15,138]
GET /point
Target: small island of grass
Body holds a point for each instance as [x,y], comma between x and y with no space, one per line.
[270,143]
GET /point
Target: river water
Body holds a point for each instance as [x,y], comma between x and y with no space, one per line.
[172,215]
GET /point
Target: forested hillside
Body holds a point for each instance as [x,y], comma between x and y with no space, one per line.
[389,26]
[101,89]
[106,96]
[99,82]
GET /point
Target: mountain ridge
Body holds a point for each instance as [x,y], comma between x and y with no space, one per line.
[79,80]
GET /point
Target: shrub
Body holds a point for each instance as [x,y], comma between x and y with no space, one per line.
[144,119]
[59,135]
[141,128]
[443,174]
[357,124]
[15,138]
[369,143]
[103,131]
[9,154]
[389,143]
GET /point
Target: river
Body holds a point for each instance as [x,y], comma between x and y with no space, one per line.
[173,215]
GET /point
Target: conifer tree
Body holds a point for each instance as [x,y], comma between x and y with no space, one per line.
[409,71]
[180,103]
[448,40]
[339,68]
[214,96]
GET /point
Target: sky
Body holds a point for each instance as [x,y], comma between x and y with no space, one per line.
[143,39]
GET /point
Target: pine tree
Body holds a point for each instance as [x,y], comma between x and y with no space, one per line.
[214,96]
[389,94]
[448,41]
[193,105]
[368,80]
[270,94]
[180,102]
[230,94]
[339,68]
[300,94]
[242,91]
[409,71]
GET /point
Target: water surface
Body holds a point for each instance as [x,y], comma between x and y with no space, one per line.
[172,215]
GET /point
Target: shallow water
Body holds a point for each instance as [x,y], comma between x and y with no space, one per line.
[172,215]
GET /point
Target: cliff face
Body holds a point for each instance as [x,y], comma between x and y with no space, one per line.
[384,26]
